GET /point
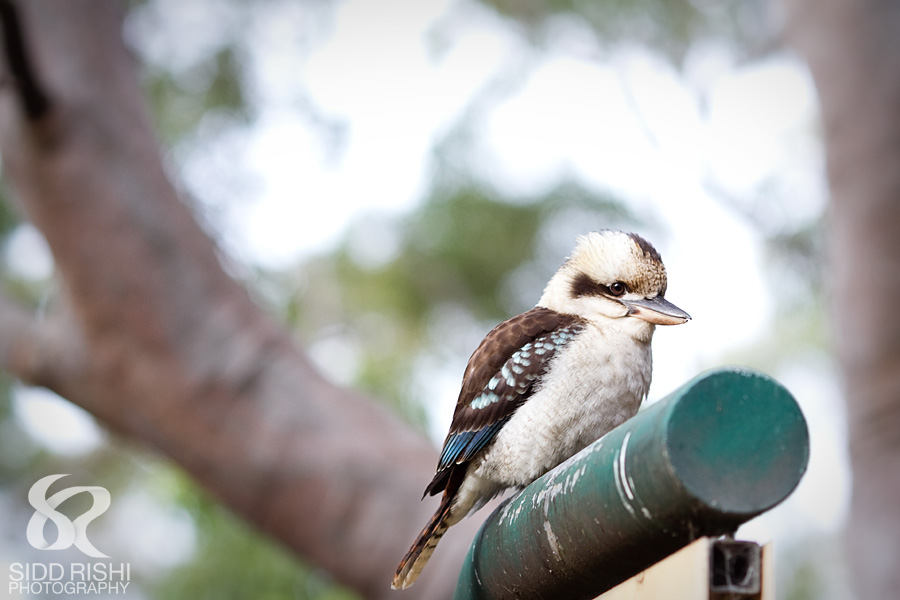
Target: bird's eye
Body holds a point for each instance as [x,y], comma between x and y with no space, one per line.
[618,288]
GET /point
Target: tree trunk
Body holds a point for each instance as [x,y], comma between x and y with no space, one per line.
[154,338]
[853,49]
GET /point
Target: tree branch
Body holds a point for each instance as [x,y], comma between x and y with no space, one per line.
[41,349]
[854,55]
[174,352]
[34,101]
[18,340]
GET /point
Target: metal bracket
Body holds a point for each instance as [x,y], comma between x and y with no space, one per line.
[734,570]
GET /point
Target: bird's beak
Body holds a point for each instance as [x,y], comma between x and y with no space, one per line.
[656,310]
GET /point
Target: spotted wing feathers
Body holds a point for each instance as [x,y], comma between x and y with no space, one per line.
[500,376]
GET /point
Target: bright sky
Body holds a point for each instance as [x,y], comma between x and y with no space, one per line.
[624,121]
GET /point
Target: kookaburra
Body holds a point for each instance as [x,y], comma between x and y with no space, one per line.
[545,384]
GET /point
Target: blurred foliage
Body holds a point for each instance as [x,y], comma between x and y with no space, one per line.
[670,26]
[794,246]
[805,584]
[8,217]
[798,257]
[17,450]
[813,568]
[211,87]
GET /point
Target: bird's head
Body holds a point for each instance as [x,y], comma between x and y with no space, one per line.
[614,275]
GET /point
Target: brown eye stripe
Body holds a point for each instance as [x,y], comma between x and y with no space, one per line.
[583,285]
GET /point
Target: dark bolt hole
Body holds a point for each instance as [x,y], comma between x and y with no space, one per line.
[739,569]
[719,568]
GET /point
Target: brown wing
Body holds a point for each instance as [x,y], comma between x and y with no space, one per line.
[499,377]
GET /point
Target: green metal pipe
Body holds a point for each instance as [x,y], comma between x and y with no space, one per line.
[725,447]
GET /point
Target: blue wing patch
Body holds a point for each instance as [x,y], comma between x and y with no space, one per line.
[454,447]
[481,439]
[462,446]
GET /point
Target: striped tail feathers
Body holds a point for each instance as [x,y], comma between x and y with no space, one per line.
[417,557]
